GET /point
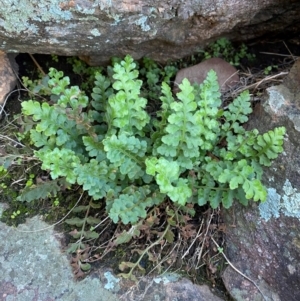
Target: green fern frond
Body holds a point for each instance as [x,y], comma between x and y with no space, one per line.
[94,178]
[132,204]
[127,107]
[191,151]
[126,153]
[60,162]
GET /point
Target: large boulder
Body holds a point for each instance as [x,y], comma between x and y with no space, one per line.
[263,241]
[158,29]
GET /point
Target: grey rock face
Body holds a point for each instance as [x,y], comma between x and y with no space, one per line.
[33,268]
[162,30]
[264,242]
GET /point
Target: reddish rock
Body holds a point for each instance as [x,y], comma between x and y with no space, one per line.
[263,240]
[227,74]
[8,79]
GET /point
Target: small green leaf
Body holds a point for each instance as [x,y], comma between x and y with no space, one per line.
[236,181]
[73,247]
[90,234]
[228,197]
[125,265]
[215,199]
[81,208]
[39,191]
[93,220]
[94,205]
[126,236]
[85,266]
[75,221]
[169,236]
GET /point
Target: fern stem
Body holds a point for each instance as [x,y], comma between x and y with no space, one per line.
[134,158]
[148,248]
[83,225]
[212,188]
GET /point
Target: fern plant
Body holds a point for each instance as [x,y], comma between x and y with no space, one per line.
[191,151]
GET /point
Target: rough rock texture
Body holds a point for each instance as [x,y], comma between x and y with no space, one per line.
[264,241]
[8,79]
[167,289]
[227,74]
[162,30]
[34,268]
[187,291]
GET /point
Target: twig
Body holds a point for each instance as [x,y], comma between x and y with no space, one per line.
[289,51]
[101,224]
[37,64]
[33,231]
[278,54]
[255,85]
[205,235]
[16,142]
[129,274]
[4,102]
[194,240]
[238,271]
[163,260]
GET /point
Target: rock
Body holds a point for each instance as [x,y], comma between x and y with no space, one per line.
[161,30]
[187,291]
[169,287]
[33,267]
[227,74]
[264,242]
[8,79]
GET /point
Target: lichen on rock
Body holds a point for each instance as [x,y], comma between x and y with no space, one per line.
[23,15]
[287,204]
[291,200]
[270,208]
